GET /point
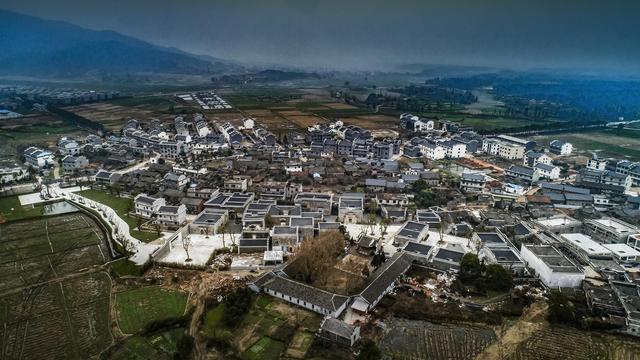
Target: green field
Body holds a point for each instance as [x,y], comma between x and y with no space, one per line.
[606,143]
[212,320]
[137,308]
[154,103]
[160,346]
[264,349]
[10,209]
[121,207]
[125,267]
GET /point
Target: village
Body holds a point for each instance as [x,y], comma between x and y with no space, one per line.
[355,224]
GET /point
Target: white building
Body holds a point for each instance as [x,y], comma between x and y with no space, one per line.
[584,246]
[560,147]
[547,171]
[553,268]
[171,216]
[147,206]
[610,230]
[623,252]
[68,147]
[38,158]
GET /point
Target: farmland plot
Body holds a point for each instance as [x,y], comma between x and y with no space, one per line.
[47,309]
[412,339]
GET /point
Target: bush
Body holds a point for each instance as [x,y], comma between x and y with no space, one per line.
[236,305]
[184,348]
[369,351]
[498,278]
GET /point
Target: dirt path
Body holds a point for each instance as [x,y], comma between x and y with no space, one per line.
[532,321]
[200,347]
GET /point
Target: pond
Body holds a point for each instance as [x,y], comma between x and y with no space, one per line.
[57,208]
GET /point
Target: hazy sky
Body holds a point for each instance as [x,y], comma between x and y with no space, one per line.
[600,34]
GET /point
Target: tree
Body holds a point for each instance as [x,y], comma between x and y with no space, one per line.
[316,256]
[268,221]
[498,278]
[184,348]
[470,267]
[561,310]
[369,351]
[186,243]
[158,228]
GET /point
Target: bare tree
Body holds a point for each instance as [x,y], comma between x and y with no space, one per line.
[186,243]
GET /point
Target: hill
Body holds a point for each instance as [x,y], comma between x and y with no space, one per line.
[37,47]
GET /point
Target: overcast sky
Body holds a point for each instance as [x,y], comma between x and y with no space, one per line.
[598,34]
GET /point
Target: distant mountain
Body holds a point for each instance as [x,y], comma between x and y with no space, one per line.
[37,47]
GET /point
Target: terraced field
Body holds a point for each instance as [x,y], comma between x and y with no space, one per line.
[48,309]
[412,339]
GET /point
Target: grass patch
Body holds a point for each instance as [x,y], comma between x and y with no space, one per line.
[11,209]
[121,207]
[156,346]
[125,267]
[264,349]
[212,320]
[138,307]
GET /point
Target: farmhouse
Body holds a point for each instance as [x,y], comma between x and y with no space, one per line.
[339,332]
[297,293]
[147,206]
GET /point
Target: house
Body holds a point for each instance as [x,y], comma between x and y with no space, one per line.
[592,178]
[553,268]
[339,332]
[504,256]
[629,295]
[240,184]
[175,181]
[303,295]
[623,252]
[383,281]
[71,163]
[105,179]
[533,158]
[597,164]
[454,149]
[560,224]
[472,182]
[37,158]
[233,202]
[547,171]
[286,237]
[147,206]
[171,216]
[351,208]
[525,174]
[194,205]
[257,240]
[315,201]
[68,146]
[560,147]
[411,231]
[390,199]
[208,222]
[584,246]
[609,230]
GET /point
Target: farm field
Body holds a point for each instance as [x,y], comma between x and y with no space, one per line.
[413,339]
[571,344]
[121,207]
[17,134]
[159,346]
[113,116]
[606,143]
[47,309]
[34,251]
[138,307]
[11,209]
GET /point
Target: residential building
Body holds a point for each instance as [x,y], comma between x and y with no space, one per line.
[472,182]
[171,216]
[547,171]
[71,163]
[339,332]
[38,158]
[351,208]
[315,201]
[560,147]
[533,158]
[610,230]
[411,231]
[553,268]
[525,174]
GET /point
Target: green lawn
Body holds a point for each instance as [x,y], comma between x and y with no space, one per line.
[10,209]
[138,307]
[156,346]
[264,349]
[125,267]
[120,205]
[212,321]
